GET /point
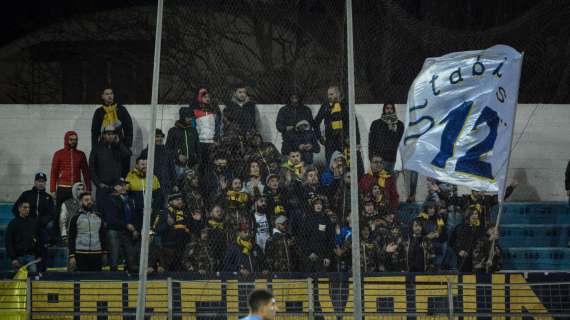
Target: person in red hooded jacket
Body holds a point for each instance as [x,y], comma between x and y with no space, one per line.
[67,166]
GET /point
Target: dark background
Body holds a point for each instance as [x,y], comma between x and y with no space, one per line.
[392,39]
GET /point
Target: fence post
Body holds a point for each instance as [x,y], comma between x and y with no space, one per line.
[169,297]
[29,298]
[310,290]
[450,299]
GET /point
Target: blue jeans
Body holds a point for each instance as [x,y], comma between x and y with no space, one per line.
[121,242]
[26,259]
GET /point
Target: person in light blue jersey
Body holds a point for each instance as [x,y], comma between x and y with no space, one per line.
[262,305]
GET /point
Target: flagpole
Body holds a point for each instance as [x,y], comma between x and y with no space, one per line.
[143,262]
[502,189]
[355,226]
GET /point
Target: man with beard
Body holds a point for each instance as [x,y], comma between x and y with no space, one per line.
[122,236]
[216,179]
[218,235]
[192,191]
[242,109]
[87,235]
[379,176]
[260,222]
[67,166]
[115,117]
[174,231]
[276,197]
[136,180]
[281,253]
[264,152]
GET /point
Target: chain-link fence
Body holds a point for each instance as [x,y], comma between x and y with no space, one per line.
[323,297]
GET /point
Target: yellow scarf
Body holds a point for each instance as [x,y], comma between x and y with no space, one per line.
[237,196]
[438,220]
[111,118]
[245,246]
[382,178]
[216,225]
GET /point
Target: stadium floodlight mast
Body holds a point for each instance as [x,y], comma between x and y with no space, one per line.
[143,264]
[354,214]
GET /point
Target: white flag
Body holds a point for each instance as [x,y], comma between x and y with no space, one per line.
[460,117]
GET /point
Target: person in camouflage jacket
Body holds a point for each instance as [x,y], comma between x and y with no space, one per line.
[369,251]
[281,253]
[198,256]
[190,189]
[482,251]
[264,152]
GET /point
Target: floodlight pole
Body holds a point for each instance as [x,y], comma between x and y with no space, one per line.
[354,212]
[143,265]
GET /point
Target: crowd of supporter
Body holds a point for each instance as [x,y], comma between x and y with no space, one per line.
[225,200]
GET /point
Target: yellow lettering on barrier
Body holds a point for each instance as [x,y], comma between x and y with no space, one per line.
[435,286]
[232,299]
[325,301]
[291,290]
[94,292]
[498,294]
[384,287]
[52,296]
[469,294]
[192,292]
[523,298]
[156,297]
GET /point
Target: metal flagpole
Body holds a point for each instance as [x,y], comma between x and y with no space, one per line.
[143,265]
[356,275]
[502,190]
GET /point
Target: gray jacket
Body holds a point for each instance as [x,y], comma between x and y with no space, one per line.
[86,233]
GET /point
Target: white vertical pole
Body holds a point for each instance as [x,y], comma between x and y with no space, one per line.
[503,188]
[356,275]
[143,265]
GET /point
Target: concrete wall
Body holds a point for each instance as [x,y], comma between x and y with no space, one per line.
[30,134]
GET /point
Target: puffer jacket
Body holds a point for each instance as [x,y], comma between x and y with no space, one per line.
[67,166]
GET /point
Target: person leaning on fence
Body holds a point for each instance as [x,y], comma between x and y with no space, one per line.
[123,238]
[69,209]
[87,237]
[115,117]
[183,141]
[218,235]
[22,240]
[198,255]
[316,238]
[281,250]
[243,256]
[175,233]
[262,305]
[67,166]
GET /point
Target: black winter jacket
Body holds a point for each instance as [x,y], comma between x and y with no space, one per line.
[183,139]
[126,132]
[289,116]
[383,141]
[164,168]
[41,205]
[22,238]
[105,162]
[244,116]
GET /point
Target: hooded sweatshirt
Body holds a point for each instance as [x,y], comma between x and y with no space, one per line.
[208,118]
[67,166]
[328,176]
[182,139]
[69,209]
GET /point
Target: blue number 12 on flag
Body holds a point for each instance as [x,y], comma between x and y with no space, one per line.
[471,162]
